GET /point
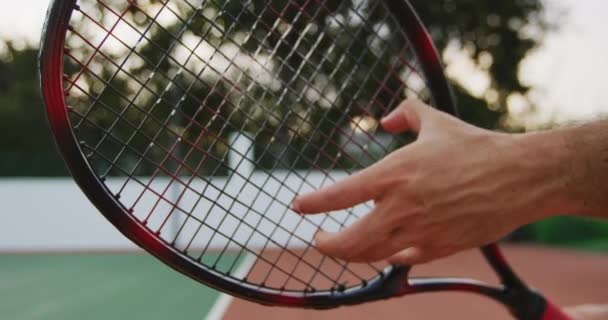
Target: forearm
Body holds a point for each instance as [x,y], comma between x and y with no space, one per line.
[572,164]
[586,149]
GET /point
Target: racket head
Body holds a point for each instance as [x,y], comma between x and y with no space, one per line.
[66,94]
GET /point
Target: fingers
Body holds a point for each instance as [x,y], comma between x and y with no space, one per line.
[360,243]
[409,116]
[372,238]
[349,192]
[356,248]
[349,242]
[361,187]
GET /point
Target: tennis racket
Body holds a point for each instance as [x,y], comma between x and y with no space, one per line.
[192,124]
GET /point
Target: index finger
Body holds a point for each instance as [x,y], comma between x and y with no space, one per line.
[347,193]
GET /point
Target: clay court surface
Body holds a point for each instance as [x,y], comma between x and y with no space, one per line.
[568,277]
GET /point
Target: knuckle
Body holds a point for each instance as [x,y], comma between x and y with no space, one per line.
[396,231]
[418,210]
[420,205]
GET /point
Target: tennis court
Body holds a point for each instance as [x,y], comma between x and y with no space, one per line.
[568,277]
[136,286]
[45,275]
[97,286]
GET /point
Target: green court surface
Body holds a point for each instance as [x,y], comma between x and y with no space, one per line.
[116,286]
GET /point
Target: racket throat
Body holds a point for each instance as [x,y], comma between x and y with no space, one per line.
[524,304]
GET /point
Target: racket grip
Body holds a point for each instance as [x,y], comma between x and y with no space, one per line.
[552,312]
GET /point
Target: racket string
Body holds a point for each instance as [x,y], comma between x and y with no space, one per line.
[137,94]
[356,36]
[277,267]
[284,63]
[283,215]
[172,153]
[296,265]
[278,258]
[126,98]
[338,67]
[202,222]
[148,114]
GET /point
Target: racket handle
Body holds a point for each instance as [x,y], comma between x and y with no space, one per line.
[552,312]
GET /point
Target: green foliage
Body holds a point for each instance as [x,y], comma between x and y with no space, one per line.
[482,28]
[190,96]
[571,232]
[26,147]
[497,36]
[19,90]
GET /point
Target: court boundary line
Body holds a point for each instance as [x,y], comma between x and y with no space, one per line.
[222,304]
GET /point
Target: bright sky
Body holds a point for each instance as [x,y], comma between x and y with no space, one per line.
[568,72]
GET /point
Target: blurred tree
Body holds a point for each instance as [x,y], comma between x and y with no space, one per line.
[26,147]
[495,35]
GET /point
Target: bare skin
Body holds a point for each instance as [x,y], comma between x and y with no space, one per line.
[459,187]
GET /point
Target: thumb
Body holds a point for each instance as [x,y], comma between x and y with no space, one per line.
[411,115]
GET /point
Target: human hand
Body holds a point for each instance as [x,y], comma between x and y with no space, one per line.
[455,188]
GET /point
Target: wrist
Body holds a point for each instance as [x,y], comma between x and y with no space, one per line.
[586,174]
[546,162]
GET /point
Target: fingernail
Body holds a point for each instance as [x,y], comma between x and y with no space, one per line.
[386,117]
[320,235]
[296,206]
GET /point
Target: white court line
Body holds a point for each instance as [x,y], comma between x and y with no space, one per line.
[223,302]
